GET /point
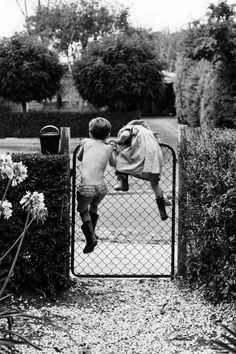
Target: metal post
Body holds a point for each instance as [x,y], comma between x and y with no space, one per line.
[182,137]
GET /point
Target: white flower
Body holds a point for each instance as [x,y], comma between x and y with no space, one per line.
[33,203]
[19,173]
[14,171]
[6,209]
[6,166]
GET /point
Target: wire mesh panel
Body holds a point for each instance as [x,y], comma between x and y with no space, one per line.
[133,241]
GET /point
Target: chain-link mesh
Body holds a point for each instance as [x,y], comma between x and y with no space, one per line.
[133,240]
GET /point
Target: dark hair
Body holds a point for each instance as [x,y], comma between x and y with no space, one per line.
[99,128]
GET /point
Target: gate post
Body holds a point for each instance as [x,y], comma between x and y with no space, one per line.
[181,269]
[65,140]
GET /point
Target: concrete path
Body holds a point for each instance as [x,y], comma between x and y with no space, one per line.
[123,259]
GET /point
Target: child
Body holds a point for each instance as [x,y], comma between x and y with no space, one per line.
[140,155]
[95,155]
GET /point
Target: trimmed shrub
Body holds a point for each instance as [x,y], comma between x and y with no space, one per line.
[182,67]
[205,94]
[209,174]
[43,263]
[190,90]
[218,108]
[28,125]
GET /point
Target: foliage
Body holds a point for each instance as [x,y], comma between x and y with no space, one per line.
[15,173]
[203,94]
[120,73]
[43,263]
[28,70]
[183,67]
[217,104]
[229,347]
[215,39]
[9,337]
[167,47]
[70,26]
[28,125]
[212,90]
[209,171]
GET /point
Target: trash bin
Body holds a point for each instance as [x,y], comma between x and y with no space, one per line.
[49,139]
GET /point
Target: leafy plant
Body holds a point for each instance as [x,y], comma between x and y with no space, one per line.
[28,70]
[33,204]
[230,347]
[209,168]
[9,337]
[120,73]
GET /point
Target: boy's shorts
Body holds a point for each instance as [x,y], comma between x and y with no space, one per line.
[87,195]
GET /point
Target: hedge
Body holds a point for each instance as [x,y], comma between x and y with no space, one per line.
[28,125]
[44,259]
[204,94]
[209,175]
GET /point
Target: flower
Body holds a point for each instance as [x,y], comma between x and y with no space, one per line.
[6,209]
[14,171]
[33,203]
[19,173]
[6,166]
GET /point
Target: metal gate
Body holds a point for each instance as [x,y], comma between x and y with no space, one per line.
[133,240]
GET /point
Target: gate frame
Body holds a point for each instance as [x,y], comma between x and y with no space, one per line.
[73,212]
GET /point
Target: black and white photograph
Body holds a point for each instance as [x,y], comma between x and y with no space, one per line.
[117,176]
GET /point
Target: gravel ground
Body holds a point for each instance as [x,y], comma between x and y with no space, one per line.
[145,316]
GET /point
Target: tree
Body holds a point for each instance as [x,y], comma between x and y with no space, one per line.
[24,11]
[215,40]
[121,73]
[167,47]
[69,27]
[214,44]
[28,70]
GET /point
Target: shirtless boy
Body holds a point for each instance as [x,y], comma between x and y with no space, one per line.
[94,154]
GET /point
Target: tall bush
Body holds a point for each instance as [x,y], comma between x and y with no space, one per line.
[212,41]
[209,174]
[218,108]
[182,72]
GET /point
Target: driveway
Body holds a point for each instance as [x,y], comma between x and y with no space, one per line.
[167,127]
